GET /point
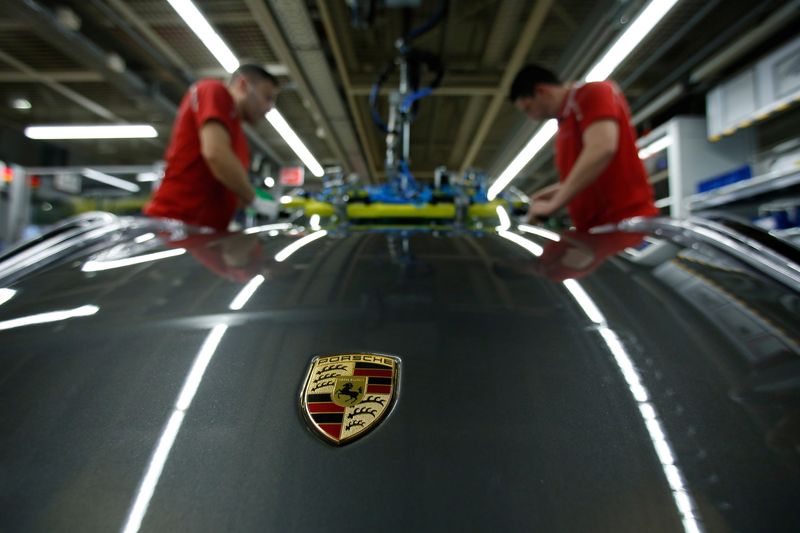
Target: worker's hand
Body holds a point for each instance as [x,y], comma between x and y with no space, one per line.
[540,210]
[544,194]
[265,205]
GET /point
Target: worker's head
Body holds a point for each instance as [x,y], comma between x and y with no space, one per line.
[537,92]
[254,90]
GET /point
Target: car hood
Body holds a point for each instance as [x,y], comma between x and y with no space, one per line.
[621,381]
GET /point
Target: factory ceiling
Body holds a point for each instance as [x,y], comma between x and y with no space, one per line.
[113,61]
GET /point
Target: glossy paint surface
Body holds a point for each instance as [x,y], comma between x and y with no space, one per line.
[593,383]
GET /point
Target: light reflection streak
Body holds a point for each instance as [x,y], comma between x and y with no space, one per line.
[541,232]
[52,316]
[170,432]
[154,469]
[246,292]
[531,246]
[144,238]
[95,266]
[6,295]
[268,227]
[675,479]
[586,303]
[505,221]
[292,248]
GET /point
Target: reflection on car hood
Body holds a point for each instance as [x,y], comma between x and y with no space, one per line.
[618,381]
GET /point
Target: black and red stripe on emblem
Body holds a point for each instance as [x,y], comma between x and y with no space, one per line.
[380,377]
[326,414]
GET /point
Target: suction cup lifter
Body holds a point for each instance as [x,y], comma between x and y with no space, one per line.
[404,102]
[451,200]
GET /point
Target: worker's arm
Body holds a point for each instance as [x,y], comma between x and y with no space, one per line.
[546,192]
[600,142]
[215,147]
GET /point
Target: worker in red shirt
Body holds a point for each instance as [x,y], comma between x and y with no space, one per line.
[602,179]
[206,178]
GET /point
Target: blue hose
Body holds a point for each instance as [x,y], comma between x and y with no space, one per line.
[409,100]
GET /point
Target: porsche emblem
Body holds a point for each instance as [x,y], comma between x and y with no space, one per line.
[345,396]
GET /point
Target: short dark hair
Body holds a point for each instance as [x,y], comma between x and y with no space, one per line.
[253,71]
[527,79]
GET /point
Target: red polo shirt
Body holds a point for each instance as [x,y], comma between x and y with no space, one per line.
[189,191]
[622,190]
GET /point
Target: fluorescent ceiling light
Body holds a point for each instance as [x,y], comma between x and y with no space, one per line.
[244,295]
[53,316]
[269,181]
[631,37]
[144,177]
[655,146]
[292,248]
[210,38]
[539,139]
[96,266]
[638,30]
[110,180]
[294,142]
[92,131]
[21,104]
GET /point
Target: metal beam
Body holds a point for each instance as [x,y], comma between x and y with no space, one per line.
[500,36]
[44,23]
[127,15]
[108,169]
[666,46]
[169,53]
[594,33]
[487,78]
[170,18]
[528,35]
[64,76]
[744,43]
[436,108]
[720,40]
[276,69]
[452,90]
[418,174]
[341,66]
[598,28]
[272,32]
[66,92]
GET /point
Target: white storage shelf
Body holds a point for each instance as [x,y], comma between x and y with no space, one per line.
[742,190]
[753,94]
[691,158]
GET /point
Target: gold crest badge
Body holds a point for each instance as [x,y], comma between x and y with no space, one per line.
[346,396]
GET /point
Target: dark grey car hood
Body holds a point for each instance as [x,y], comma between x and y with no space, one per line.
[594,383]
